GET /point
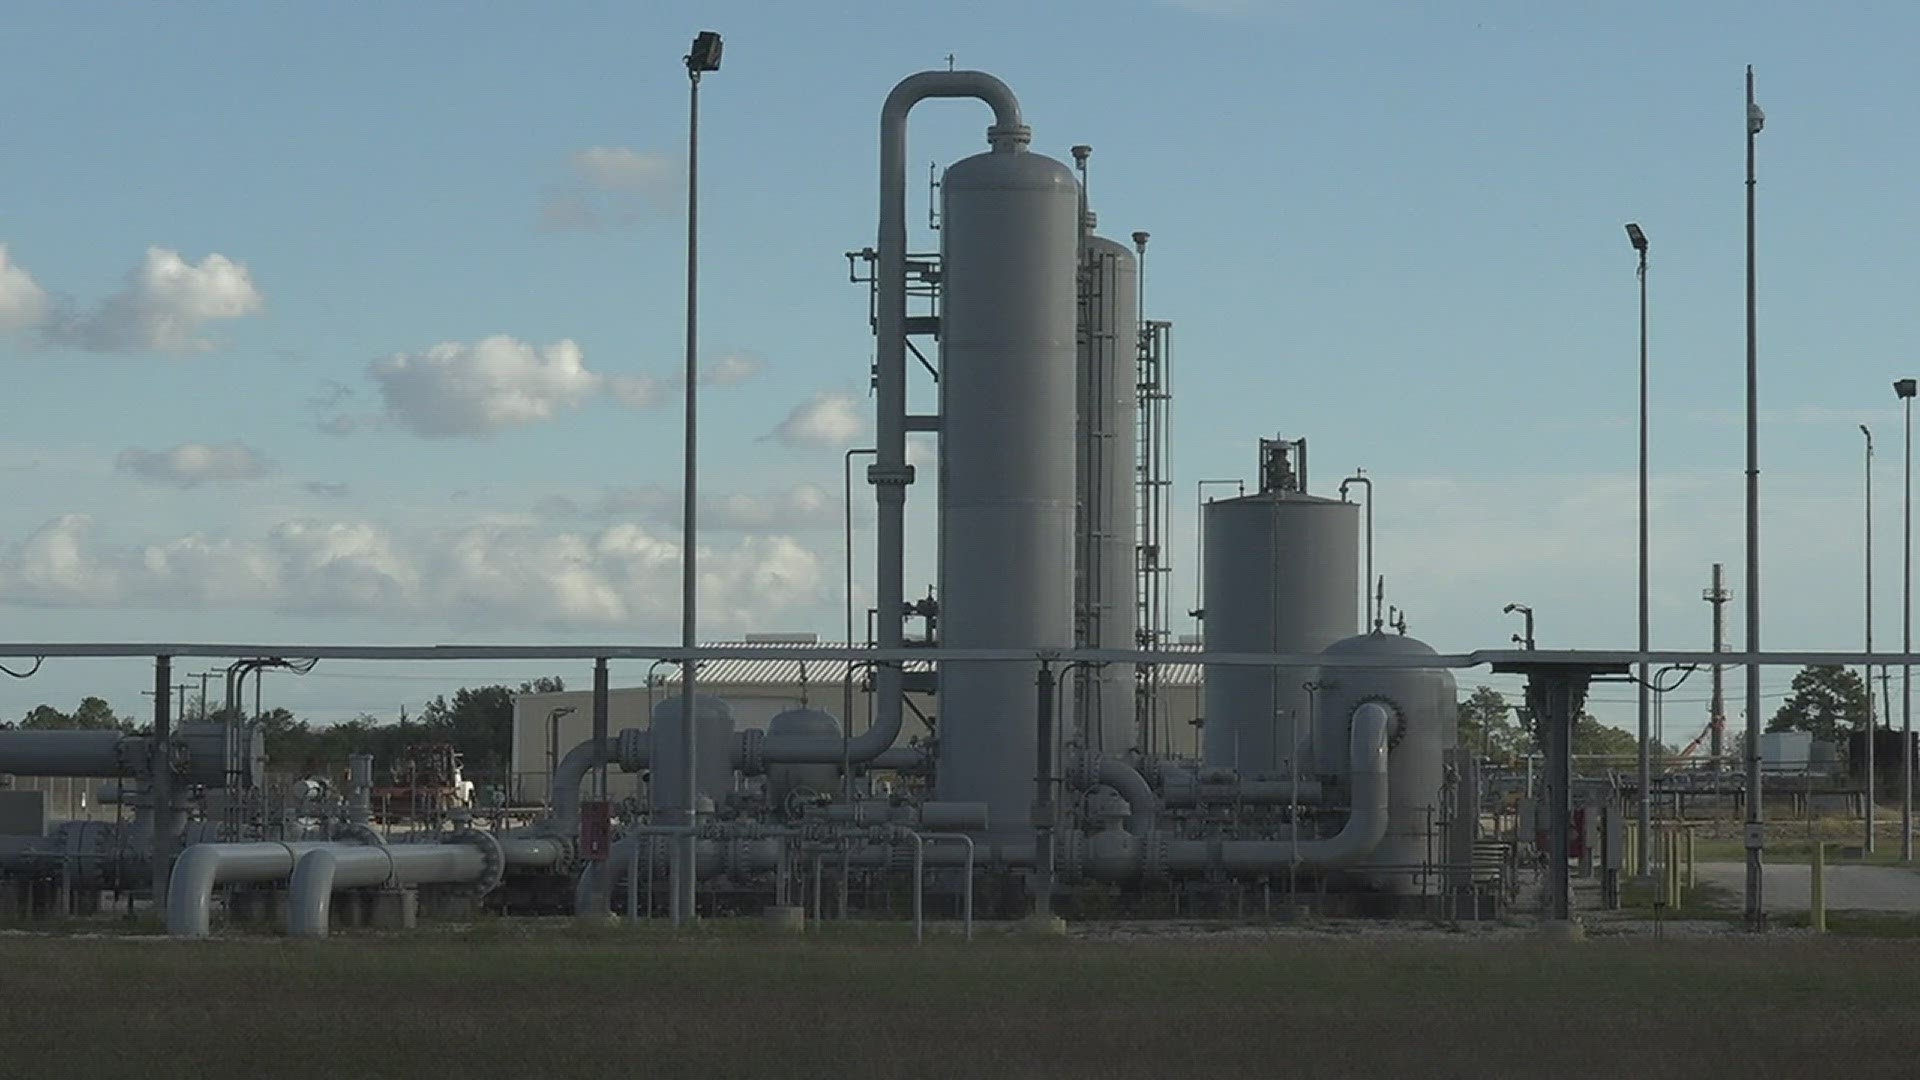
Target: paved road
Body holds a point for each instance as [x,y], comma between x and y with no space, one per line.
[1849,888]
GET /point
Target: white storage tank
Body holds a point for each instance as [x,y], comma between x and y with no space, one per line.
[1010,250]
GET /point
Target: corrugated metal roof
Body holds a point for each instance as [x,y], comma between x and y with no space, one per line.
[789,672]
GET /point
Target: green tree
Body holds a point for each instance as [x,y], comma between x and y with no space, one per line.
[1489,725]
[1827,700]
[95,714]
[1590,736]
[45,718]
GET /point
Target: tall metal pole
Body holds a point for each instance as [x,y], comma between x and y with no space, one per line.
[1872,726]
[1906,648]
[160,790]
[684,864]
[1717,595]
[1756,817]
[1642,864]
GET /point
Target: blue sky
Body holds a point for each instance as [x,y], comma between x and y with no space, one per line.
[282,236]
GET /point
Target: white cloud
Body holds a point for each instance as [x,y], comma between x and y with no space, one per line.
[191,464]
[23,303]
[801,508]
[623,576]
[829,420]
[612,188]
[165,306]
[460,390]
[620,170]
[731,369]
[636,391]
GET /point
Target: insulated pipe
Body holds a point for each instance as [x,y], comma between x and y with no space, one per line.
[1366,822]
[321,871]
[73,753]
[203,866]
[1179,787]
[1132,787]
[890,474]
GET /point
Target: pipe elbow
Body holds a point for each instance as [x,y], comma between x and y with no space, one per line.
[190,891]
[310,899]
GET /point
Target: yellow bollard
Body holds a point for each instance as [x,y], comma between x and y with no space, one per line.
[1817,916]
[1693,877]
[1673,868]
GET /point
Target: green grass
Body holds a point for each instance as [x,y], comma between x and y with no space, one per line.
[523,1000]
[1700,902]
[1782,849]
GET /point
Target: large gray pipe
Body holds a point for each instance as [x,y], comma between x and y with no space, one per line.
[1365,827]
[890,473]
[321,871]
[203,866]
[73,753]
[1119,856]
[569,777]
[1132,787]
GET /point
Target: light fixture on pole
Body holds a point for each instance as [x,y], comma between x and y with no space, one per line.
[1873,727]
[1644,818]
[1524,641]
[703,57]
[1905,388]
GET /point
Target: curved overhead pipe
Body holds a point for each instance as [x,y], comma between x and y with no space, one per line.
[569,777]
[890,474]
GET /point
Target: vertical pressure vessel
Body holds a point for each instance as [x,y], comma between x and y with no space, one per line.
[1108,395]
[1281,572]
[1009,238]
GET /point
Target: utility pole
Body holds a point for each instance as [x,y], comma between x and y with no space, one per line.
[1756,839]
[1718,595]
[203,676]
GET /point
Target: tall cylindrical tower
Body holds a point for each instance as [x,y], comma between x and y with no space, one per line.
[1104,551]
[1009,236]
[1282,568]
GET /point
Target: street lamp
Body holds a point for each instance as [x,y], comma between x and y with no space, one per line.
[1873,728]
[1905,388]
[703,57]
[1645,815]
[1525,642]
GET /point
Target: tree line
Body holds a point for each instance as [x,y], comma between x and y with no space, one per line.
[476,721]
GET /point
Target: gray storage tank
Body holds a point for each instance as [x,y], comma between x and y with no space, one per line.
[784,780]
[1425,704]
[713,750]
[1282,569]
[1107,398]
[1010,250]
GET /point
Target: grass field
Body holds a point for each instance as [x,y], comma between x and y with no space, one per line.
[554,1001]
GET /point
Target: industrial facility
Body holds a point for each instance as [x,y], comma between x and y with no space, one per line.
[1048,755]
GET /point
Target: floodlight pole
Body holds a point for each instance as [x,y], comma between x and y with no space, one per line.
[1906,390]
[1642,863]
[702,57]
[1873,726]
[1756,912]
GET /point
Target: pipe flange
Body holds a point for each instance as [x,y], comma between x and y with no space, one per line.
[493,862]
[363,834]
[633,747]
[1082,768]
[1393,709]
[753,756]
[1153,857]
